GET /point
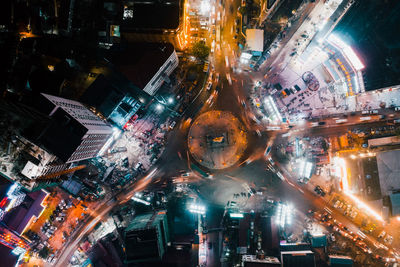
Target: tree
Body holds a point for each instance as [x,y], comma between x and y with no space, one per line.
[397,132]
[44,253]
[200,50]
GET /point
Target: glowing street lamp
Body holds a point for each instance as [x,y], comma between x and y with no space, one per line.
[159,107]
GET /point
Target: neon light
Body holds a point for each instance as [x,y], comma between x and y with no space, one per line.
[3,202]
[347,50]
[351,55]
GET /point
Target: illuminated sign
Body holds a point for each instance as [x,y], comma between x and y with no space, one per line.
[236,215]
[18,251]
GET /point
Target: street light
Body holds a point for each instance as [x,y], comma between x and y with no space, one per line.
[159,107]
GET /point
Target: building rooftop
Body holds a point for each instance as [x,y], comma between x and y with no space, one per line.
[389,169]
[32,206]
[139,62]
[140,15]
[395,200]
[7,258]
[255,39]
[146,237]
[340,261]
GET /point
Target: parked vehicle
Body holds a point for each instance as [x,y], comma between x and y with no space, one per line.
[287,91]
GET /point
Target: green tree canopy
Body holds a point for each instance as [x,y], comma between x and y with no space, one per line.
[200,50]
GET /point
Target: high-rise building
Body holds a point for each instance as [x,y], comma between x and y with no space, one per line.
[44,139]
[147,237]
[75,133]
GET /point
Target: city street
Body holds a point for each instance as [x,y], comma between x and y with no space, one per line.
[232,93]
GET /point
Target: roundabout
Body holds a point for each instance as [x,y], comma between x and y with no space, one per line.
[217,140]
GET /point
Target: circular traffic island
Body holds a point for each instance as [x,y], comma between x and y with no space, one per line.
[217,139]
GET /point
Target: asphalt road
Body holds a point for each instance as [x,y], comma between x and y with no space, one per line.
[231,97]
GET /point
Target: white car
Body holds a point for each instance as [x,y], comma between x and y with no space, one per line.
[209,85]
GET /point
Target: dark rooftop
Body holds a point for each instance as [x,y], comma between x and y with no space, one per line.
[153,15]
[4,186]
[139,62]
[18,218]
[63,135]
[7,258]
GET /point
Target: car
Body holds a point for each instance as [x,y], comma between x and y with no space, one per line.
[388,239]
[271,161]
[209,85]
[138,165]
[287,91]
[172,125]
[267,150]
[297,88]
[382,234]
[186,174]
[319,191]
[278,86]
[321,123]
[216,77]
